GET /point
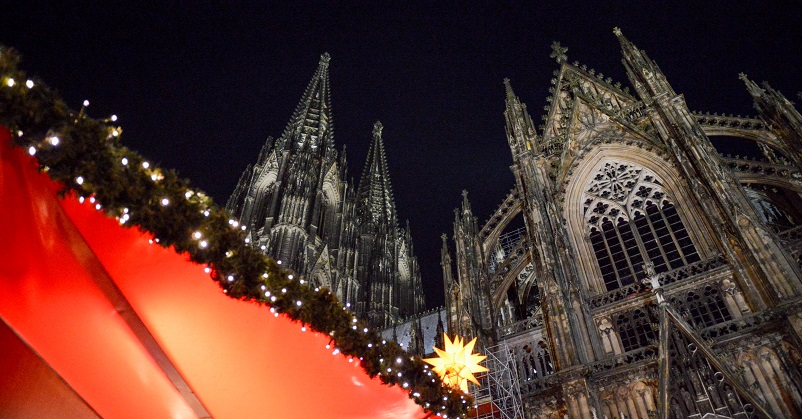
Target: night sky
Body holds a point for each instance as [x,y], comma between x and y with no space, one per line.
[200,88]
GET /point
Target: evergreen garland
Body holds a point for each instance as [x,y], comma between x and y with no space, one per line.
[85,155]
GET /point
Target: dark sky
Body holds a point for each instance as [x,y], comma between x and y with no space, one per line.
[200,88]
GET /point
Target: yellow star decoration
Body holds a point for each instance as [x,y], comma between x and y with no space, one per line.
[456,364]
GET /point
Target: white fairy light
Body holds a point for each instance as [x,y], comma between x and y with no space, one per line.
[231,278]
[86,102]
[145,165]
[10,82]
[29,84]
[31,150]
[113,118]
[165,202]
[207,269]
[79,180]
[188,194]
[197,235]
[124,161]
[203,245]
[298,303]
[53,140]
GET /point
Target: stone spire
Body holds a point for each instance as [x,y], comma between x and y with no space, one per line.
[780,116]
[311,125]
[520,129]
[644,73]
[374,192]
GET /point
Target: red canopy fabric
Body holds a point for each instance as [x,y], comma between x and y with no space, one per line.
[136,330]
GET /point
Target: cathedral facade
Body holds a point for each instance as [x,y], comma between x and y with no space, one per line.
[300,208]
[633,271]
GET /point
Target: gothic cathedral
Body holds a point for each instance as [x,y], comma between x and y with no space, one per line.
[299,207]
[648,275]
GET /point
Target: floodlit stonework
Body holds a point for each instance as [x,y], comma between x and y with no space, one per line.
[299,207]
[653,276]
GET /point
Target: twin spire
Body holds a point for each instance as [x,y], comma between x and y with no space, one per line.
[311,125]
[374,193]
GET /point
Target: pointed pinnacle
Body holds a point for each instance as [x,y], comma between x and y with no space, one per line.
[377,129]
[508,89]
[324,59]
[751,86]
[617,31]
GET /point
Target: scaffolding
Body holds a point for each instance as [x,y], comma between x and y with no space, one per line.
[499,394]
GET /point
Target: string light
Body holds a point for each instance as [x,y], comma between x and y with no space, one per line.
[79,137]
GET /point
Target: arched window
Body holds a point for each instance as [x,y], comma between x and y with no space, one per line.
[635,328]
[705,306]
[631,220]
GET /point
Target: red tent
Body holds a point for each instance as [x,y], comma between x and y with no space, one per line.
[96,320]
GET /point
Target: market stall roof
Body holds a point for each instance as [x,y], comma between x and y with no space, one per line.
[134,329]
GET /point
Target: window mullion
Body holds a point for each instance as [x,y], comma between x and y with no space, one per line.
[626,255]
[670,229]
[657,239]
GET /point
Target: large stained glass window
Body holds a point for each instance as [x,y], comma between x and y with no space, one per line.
[631,220]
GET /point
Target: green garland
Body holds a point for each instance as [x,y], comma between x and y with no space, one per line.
[86,156]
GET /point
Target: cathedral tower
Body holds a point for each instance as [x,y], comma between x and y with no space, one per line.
[299,207]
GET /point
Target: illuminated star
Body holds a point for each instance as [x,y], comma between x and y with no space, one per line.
[456,364]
